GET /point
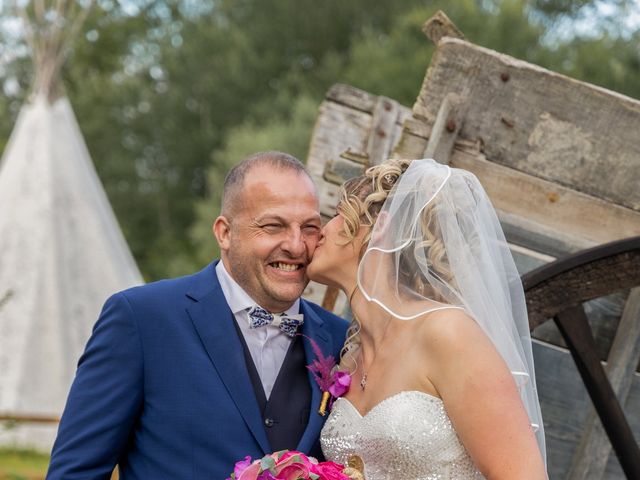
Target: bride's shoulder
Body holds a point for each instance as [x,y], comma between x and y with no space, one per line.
[451,328]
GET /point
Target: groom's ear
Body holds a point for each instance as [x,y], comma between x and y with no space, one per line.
[222,232]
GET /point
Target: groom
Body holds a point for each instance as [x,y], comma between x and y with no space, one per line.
[181,378]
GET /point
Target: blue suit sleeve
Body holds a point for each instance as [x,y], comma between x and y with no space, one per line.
[105,398]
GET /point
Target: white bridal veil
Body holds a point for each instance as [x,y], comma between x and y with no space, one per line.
[438,244]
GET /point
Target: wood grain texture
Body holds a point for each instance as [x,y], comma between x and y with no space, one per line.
[346,120]
[383,130]
[446,128]
[565,406]
[594,449]
[539,122]
[560,160]
[584,276]
[352,97]
[555,207]
[439,26]
[574,327]
[337,129]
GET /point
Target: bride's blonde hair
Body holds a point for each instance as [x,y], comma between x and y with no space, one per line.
[361,200]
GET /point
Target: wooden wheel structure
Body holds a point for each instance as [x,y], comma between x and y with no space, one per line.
[560,161]
[558,291]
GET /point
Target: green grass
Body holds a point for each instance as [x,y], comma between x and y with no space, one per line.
[17,464]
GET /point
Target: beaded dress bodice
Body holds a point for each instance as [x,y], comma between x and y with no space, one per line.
[406,436]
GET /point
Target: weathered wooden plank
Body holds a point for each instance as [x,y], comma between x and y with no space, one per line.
[33,418]
[418,128]
[381,133]
[439,26]
[632,407]
[337,129]
[520,229]
[344,122]
[542,209]
[340,169]
[410,145]
[553,206]
[445,129]
[593,452]
[581,277]
[330,194]
[585,277]
[565,405]
[539,122]
[533,235]
[352,97]
[576,332]
[604,317]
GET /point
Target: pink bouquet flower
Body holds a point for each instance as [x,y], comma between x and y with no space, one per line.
[287,465]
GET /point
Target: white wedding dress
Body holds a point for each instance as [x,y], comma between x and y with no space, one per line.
[406,436]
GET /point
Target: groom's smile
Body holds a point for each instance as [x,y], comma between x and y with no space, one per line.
[270,236]
[287,267]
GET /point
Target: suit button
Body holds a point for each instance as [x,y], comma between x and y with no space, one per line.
[269,422]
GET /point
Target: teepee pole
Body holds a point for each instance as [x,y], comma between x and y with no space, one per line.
[50,40]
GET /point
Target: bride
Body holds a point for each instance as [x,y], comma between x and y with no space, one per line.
[439,349]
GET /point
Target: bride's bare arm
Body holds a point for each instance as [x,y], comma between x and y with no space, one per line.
[481,398]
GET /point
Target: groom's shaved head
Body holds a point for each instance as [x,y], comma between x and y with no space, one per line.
[269,228]
[234,182]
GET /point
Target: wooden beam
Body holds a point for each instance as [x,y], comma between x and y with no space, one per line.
[556,207]
[581,277]
[352,97]
[348,165]
[445,129]
[330,297]
[539,122]
[381,133]
[438,26]
[539,237]
[344,123]
[413,140]
[5,417]
[574,327]
[594,449]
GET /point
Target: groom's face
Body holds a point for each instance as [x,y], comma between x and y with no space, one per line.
[272,235]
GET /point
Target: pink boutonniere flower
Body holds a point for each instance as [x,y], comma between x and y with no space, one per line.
[334,383]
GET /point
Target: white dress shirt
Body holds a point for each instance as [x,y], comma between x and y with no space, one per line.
[268,345]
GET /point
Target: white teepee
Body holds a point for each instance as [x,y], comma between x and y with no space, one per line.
[61,252]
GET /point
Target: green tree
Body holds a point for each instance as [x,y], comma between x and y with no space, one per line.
[291,135]
[171,93]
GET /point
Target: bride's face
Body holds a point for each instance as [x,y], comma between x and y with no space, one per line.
[335,259]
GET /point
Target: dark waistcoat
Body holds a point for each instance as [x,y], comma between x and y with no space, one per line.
[286,413]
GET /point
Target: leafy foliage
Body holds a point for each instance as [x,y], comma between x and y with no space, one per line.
[171,93]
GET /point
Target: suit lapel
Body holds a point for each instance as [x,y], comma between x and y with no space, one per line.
[214,323]
[314,328]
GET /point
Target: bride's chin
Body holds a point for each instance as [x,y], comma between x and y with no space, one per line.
[311,272]
[315,274]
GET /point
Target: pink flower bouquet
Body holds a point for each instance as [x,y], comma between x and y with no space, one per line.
[288,465]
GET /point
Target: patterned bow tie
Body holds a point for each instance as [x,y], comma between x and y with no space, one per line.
[288,324]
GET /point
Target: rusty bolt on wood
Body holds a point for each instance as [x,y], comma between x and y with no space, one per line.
[553,197]
[504,76]
[387,106]
[381,133]
[451,125]
[507,122]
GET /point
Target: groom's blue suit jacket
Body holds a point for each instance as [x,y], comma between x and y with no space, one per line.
[162,388]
